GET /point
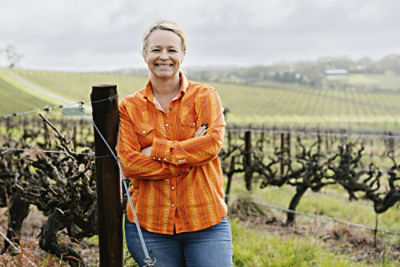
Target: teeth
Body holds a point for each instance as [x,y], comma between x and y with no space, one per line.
[164,65]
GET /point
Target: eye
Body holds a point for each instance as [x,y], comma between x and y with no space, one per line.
[172,50]
[155,50]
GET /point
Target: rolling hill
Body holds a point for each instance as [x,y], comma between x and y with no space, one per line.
[286,105]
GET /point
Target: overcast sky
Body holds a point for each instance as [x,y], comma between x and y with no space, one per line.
[106,34]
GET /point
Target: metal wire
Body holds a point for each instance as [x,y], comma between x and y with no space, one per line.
[326,218]
[149,262]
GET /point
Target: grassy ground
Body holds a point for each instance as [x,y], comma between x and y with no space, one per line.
[311,241]
[78,86]
[268,249]
[332,202]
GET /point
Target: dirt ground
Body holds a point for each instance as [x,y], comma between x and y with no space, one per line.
[342,239]
[30,245]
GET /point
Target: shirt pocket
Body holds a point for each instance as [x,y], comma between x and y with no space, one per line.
[145,134]
[189,125]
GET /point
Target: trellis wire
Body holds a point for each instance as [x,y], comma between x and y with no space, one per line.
[326,218]
[50,108]
[10,149]
[315,132]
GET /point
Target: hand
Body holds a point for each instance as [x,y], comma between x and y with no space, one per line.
[146,151]
[201,131]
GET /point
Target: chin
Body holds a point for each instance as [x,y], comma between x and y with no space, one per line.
[165,75]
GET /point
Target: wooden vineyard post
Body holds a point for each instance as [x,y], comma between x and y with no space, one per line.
[248,175]
[288,146]
[231,172]
[282,160]
[47,142]
[106,117]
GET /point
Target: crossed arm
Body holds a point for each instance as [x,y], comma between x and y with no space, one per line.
[200,132]
[177,156]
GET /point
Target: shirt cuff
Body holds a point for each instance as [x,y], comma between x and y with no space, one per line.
[167,151]
[161,150]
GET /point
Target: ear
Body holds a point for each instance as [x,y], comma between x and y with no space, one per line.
[183,56]
[144,56]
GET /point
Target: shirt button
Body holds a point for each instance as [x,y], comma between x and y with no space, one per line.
[194,124]
[165,159]
[172,205]
[154,157]
[144,132]
[172,187]
[159,159]
[166,124]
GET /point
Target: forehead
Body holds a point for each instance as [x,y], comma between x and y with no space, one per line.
[164,38]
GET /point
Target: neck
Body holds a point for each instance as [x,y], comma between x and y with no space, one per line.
[165,87]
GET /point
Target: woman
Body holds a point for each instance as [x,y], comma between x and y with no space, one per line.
[171,133]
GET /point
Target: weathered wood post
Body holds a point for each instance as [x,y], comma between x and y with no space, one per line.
[106,117]
[231,172]
[248,175]
[282,160]
[47,142]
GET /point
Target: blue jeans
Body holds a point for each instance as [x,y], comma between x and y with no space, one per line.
[211,247]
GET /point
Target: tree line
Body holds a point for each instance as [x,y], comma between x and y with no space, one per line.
[310,73]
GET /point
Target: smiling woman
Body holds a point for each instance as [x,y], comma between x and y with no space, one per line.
[171,134]
[163,57]
[164,48]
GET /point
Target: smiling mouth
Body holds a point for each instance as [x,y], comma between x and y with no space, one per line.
[163,65]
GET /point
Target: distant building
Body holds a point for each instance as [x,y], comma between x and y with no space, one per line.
[330,73]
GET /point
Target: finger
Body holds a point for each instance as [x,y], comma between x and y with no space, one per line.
[200,132]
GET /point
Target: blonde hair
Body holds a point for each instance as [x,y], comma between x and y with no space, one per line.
[166,25]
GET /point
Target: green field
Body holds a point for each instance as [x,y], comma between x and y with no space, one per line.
[269,104]
[16,98]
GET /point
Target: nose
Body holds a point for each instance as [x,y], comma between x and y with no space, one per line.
[164,54]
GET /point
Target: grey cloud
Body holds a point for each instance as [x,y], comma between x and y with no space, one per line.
[71,34]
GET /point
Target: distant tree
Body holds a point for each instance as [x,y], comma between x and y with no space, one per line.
[11,56]
[390,63]
[367,65]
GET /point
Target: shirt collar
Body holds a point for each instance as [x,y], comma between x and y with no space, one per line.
[148,92]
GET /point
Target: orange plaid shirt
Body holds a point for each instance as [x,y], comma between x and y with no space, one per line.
[181,185]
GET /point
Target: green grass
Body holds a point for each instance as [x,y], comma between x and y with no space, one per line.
[332,201]
[16,99]
[77,86]
[253,248]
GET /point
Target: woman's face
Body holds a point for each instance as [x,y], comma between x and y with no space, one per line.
[164,54]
